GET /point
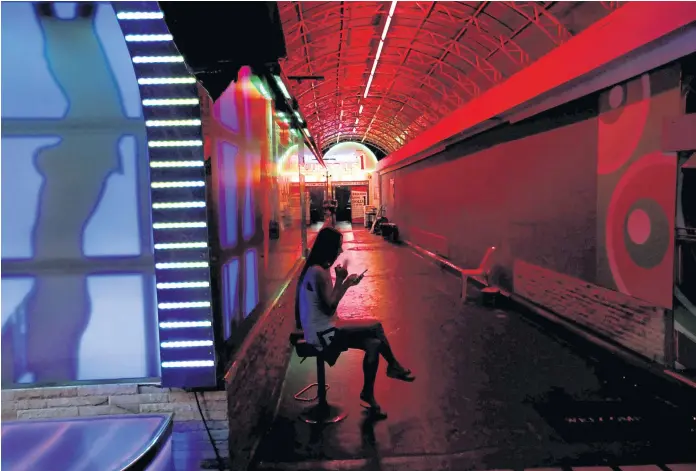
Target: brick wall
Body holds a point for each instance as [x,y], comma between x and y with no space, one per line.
[628,321]
[255,380]
[109,399]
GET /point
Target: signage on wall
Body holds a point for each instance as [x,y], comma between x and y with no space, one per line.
[351,183]
[337,183]
[358,200]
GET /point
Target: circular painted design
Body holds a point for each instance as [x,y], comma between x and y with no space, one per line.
[623,115]
[639,227]
[646,234]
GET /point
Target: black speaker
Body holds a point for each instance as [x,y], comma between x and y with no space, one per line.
[218,38]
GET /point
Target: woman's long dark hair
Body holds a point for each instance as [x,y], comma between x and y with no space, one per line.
[324,253]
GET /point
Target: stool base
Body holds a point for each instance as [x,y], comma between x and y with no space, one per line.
[323,414]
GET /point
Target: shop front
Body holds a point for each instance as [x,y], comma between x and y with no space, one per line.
[345,181]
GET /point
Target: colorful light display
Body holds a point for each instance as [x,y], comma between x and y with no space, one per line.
[172,112]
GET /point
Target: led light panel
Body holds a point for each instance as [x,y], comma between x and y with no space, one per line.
[157,59]
[172,122]
[171,102]
[179,205]
[175,163]
[165,80]
[185,324]
[177,183]
[145,38]
[139,15]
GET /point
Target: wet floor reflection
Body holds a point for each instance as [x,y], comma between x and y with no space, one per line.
[494,391]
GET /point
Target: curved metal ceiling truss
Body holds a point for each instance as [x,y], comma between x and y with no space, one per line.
[434,57]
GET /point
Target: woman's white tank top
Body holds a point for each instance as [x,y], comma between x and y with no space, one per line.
[312,317]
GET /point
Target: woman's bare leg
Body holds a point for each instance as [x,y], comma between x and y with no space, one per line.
[370,345]
[370,367]
[370,328]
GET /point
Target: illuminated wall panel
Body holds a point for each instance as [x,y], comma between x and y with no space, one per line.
[237,126]
[230,287]
[251,285]
[78,288]
[172,112]
[227,163]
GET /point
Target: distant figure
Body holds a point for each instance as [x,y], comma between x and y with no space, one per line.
[75,172]
[315,313]
[330,212]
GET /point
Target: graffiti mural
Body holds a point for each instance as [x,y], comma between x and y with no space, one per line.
[635,187]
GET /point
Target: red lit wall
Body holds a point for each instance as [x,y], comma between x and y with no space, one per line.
[525,190]
[582,190]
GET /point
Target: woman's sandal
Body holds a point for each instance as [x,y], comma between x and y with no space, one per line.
[400,373]
[372,408]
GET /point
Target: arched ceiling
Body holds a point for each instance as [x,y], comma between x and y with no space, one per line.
[435,57]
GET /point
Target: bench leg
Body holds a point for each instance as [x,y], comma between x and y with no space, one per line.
[465,283]
[323,412]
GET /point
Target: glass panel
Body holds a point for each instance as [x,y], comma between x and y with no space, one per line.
[78,288]
[256,202]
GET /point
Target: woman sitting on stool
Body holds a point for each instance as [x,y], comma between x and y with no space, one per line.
[315,313]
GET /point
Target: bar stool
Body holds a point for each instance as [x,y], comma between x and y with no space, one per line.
[322,412]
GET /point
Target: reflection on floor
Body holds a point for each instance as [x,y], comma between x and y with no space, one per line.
[494,390]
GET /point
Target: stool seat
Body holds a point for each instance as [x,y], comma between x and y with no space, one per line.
[306,350]
[295,336]
[490,290]
[302,348]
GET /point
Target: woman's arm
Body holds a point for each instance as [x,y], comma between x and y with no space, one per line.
[331,294]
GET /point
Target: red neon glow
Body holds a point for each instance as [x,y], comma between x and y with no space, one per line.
[433,59]
[628,28]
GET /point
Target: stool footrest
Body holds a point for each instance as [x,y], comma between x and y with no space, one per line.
[323,414]
[298,396]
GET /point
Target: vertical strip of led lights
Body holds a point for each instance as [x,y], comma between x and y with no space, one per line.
[172,112]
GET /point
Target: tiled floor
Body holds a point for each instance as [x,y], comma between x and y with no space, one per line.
[494,391]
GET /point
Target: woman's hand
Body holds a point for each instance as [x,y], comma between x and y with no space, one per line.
[341,273]
[353,280]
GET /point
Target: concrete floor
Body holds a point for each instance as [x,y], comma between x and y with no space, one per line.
[494,390]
